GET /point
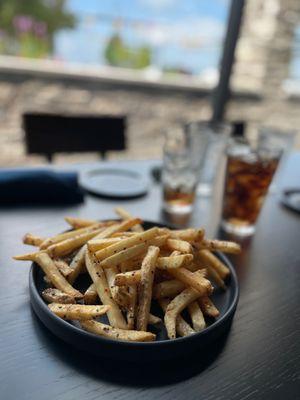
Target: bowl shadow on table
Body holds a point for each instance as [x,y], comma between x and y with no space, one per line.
[130,373]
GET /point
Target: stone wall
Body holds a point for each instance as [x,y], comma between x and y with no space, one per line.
[149,113]
[262,62]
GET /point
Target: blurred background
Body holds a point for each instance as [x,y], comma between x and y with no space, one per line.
[156,62]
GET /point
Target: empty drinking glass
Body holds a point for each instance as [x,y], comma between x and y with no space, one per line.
[208,143]
[179,174]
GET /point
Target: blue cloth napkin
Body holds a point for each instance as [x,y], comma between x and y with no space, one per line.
[39,186]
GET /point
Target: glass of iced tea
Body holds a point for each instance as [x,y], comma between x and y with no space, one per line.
[179,173]
[249,173]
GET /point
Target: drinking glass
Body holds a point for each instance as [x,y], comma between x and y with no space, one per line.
[249,172]
[278,139]
[208,143]
[179,173]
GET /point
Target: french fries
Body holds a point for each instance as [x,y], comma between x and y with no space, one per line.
[77,223]
[68,245]
[196,316]
[167,289]
[53,274]
[32,240]
[52,295]
[174,308]
[125,244]
[90,295]
[126,215]
[98,244]
[219,245]
[180,245]
[145,290]
[131,252]
[127,270]
[207,258]
[117,334]
[182,327]
[97,275]
[208,308]
[68,235]
[77,264]
[77,311]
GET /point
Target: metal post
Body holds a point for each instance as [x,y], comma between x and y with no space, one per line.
[221,93]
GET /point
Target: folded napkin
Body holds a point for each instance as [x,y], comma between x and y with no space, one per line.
[39,186]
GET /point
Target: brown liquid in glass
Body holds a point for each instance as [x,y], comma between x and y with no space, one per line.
[246,185]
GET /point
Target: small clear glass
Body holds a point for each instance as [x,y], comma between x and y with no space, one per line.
[179,173]
[209,142]
[249,172]
[277,139]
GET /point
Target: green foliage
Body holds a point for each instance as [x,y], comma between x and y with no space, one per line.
[118,54]
[28,26]
[49,11]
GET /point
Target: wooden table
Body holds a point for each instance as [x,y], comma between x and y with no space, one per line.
[259,359]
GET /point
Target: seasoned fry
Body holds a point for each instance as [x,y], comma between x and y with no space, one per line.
[178,304]
[124,255]
[131,312]
[99,244]
[119,227]
[119,294]
[182,327]
[192,279]
[77,311]
[52,295]
[118,334]
[125,244]
[219,245]
[77,264]
[78,223]
[208,308]
[67,246]
[174,262]
[196,316]
[167,289]
[90,295]
[53,274]
[98,277]
[63,267]
[132,264]
[207,258]
[126,215]
[131,252]
[145,289]
[123,235]
[128,278]
[32,240]
[215,277]
[190,235]
[69,235]
[26,257]
[180,245]
[122,297]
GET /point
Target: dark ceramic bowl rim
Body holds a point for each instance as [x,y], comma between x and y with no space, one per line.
[37,299]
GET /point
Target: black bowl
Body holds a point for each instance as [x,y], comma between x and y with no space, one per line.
[162,348]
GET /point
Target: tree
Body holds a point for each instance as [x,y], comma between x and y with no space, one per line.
[118,54]
[30,25]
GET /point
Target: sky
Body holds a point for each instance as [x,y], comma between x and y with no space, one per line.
[182,33]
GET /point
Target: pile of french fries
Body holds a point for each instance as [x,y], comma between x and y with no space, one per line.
[130,268]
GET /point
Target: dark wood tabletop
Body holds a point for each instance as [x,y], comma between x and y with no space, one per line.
[258,359]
